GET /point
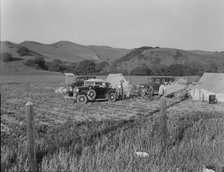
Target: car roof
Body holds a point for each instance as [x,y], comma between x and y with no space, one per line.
[95,80]
[158,77]
[86,76]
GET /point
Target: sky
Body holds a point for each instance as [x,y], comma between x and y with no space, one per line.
[184,24]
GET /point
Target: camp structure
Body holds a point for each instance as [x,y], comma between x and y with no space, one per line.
[210,84]
[176,87]
[69,78]
[115,80]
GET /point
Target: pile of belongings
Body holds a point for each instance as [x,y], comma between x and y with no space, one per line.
[61,90]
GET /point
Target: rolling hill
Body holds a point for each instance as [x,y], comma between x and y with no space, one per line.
[120,59]
[66,51]
[151,56]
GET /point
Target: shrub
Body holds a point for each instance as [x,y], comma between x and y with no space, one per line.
[6,57]
[86,67]
[54,67]
[23,51]
[37,62]
[29,62]
[40,62]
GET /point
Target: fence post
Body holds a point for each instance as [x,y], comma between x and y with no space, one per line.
[164,124]
[30,137]
[0,104]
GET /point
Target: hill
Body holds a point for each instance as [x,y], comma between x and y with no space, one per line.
[120,60]
[66,51]
[154,56]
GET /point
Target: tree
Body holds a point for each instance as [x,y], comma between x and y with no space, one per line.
[29,62]
[40,62]
[212,68]
[176,70]
[143,70]
[56,65]
[23,51]
[159,70]
[101,66]
[6,57]
[86,67]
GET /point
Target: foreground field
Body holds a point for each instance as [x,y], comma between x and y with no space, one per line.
[103,136]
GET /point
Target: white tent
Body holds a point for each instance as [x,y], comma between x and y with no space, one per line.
[209,84]
[179,85]
[69,78]
[115,79]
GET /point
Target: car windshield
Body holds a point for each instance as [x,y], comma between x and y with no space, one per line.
[79,79]
[87,83]
[100,84]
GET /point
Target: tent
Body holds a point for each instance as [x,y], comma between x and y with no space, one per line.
[69,78]
[209,84]
[179,85]
[115,79]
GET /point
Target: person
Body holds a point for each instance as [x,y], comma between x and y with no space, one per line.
[121,90]
[150,90]
[162,89]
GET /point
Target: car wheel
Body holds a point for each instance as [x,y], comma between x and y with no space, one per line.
[81,99]
[91,94]
[112,97]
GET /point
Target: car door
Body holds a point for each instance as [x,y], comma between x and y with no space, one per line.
[100,91]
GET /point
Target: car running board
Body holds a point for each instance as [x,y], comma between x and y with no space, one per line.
[68,97]
[101,99]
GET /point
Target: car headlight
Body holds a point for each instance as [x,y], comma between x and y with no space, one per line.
[76,89]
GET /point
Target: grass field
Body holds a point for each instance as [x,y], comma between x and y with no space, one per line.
[103,136]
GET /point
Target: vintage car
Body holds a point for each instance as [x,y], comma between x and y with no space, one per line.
[92,90]
[79,81]
[156,81]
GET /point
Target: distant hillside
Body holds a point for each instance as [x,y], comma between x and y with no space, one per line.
[150,56]
[66,51]
[141,60]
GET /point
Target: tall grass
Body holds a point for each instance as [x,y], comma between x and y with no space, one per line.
[195,140]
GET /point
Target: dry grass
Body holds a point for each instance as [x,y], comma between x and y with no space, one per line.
[103,137]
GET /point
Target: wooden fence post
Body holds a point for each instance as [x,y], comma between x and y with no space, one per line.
[0,104]
[30,137]
[164,124]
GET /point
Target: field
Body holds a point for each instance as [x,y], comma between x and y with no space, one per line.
[103,136]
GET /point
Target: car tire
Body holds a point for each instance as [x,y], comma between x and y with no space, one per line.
[112,97]
[81,99]
[91,94]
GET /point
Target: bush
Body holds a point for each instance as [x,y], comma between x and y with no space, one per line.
[86,67]
[40,62]
[29,62]
[37,62]
[54,67]
[23,51]
[6,57]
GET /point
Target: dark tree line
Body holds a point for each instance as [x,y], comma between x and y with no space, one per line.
[104,68]
[175,69]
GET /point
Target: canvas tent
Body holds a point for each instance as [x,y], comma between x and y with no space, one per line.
[179,85]
[115,79]
[209,84]
[69,78]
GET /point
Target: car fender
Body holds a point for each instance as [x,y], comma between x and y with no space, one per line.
[111,91]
